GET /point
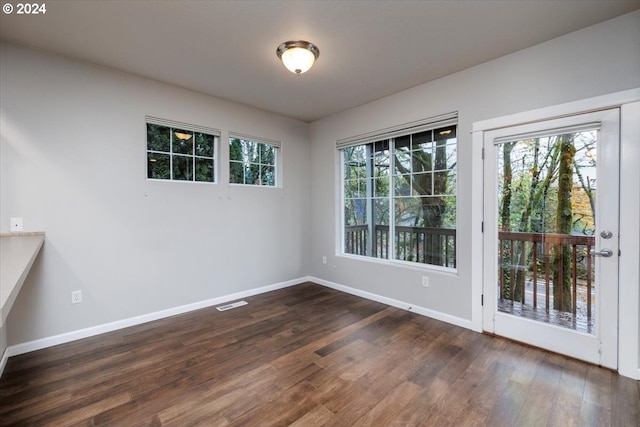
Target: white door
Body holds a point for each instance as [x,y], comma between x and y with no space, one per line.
[551,235]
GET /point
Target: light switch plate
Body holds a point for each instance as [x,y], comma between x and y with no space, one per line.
[16,224]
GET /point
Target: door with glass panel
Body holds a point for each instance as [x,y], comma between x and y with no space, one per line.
[551,235]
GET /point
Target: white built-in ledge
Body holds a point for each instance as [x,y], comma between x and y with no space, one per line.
[18,251]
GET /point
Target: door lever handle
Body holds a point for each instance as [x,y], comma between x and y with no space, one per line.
[606,253]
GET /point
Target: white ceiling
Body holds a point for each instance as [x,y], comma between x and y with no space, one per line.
[368,49]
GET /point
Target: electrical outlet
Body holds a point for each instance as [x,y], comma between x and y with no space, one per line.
[76,297]
[425,281]
[324,259]
[16,224]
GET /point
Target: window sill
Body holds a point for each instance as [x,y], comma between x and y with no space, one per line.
[404,264]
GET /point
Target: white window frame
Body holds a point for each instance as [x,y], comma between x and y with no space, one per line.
[172,124]
[408,129]
[277,165]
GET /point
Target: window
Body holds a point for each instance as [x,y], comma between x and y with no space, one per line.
[252,162]
[399,193]
[180,152]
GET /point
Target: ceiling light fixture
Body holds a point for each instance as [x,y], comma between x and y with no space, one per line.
[182,136]
[298,56]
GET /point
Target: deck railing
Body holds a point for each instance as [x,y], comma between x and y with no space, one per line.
[529,264]
[534,259]
[427,245]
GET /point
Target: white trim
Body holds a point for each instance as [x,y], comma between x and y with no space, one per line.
[629,274]
[430,123]
[181,125]
[477,261]
[416,266]
[250,138]
[611,100]
[133,321]
[458,321]
[548,132]
[3,361]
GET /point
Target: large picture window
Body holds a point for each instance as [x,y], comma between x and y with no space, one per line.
[399,195]
[180,152]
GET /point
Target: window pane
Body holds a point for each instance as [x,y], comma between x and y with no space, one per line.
[355,212]
[381,241]
[267,154]
[445,133]
[269,175]
[235,150]
[449,214]
[158,137]
[440,160]
[251,175]
[351,188]
[408,211]
[402,185]
[422,141]
[408,230]
[250,151]
[452,155]
[421,161]
[236,173]
[355,188]
[381,184]
[381,211]
[381,146]
[358,153]
[360,170]
[182,141]
[204,145]
[402,161]
[444,183]
[402,143]
[354,163]
[182,168]
[421,185]
[204,170]
[158,166]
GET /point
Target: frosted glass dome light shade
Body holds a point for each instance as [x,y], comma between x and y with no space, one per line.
[298,56]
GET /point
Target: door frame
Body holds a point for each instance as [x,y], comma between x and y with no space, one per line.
[629,274]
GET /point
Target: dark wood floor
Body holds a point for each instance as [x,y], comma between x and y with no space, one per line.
[308,356]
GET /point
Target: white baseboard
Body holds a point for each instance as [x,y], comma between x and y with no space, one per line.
[458,321]
[132,321]
[121,324]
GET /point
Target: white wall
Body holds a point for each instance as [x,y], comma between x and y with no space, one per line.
[73,164]
[598,60]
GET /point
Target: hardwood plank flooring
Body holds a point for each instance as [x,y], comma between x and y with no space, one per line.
[308,356]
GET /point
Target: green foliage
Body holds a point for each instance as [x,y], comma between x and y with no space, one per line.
[252,163]
[158,138]
[179,154]
[158,166]
[546,185]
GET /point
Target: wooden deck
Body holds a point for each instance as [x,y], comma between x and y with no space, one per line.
[308,356]
[578,322]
